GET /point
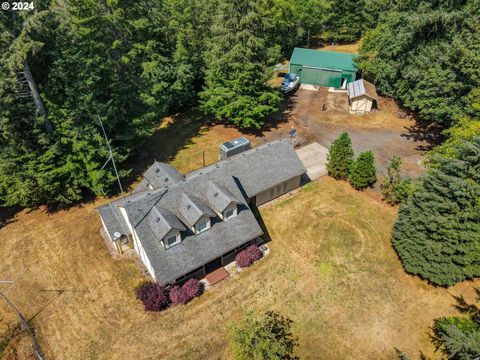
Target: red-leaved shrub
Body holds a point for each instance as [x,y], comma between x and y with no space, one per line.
[247,257]
[152,295]
[193,288]
[183,294]
[178,295]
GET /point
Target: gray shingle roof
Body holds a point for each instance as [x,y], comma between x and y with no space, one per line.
[260,168]
[192,209]
[219,197]
[139,204]
[141,186]
[160,174]
[113,220]
[255,170]
[161,222]
[196,250]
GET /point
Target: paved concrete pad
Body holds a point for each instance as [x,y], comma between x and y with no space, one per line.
[314,158]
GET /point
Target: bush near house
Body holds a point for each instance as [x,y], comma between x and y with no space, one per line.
[340,157]
[152,296]
[362,171]
[177,295]
[247,257]
[185,293]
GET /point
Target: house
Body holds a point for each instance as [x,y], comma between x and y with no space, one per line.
[184,226]
[362,96]
[323,68]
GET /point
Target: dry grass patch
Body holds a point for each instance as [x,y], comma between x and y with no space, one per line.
[331,270]
[352,48]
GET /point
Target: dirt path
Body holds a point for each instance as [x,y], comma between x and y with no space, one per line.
[321,116]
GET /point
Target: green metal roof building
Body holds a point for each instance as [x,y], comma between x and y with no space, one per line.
[323,68]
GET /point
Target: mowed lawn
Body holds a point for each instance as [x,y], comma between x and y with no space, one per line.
[331,270]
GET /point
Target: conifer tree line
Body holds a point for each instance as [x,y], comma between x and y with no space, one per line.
[68,63]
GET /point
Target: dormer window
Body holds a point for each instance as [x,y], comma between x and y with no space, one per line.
[223,201]
[172,239]
[230,212]
[201,226]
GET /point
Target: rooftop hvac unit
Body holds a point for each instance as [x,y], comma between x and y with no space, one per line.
[233,147]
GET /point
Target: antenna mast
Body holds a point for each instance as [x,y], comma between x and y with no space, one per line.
[111,155]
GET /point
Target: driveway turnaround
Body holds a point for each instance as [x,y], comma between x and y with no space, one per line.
[314,158]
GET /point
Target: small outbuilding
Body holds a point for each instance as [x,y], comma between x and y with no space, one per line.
[323,68]
[362,96]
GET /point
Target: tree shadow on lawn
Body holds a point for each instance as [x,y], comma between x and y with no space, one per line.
[173,135]
[8,214]
[177,132]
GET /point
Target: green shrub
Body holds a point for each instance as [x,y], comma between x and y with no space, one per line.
[263,337]
[395,189]
[460,337]
[340,157]
[362,171]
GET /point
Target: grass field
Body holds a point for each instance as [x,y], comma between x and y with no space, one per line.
[331,269]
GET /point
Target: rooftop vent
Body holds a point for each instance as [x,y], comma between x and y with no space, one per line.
[157,219]
[189,206]
[157,170]
[166,179]
[216,194]
[234,147]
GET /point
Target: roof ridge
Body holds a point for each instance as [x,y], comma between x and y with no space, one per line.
[330,51]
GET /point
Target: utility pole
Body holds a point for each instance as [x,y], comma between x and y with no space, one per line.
[25,326]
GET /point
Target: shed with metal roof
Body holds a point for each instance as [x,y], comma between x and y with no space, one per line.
[323,68]
[362,96]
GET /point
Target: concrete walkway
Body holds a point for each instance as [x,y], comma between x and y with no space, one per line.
[314,158]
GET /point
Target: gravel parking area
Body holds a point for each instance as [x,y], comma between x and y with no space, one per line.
[320,116]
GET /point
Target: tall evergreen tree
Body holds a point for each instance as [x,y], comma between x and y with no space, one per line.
[362,171]
[192,21]
[87,59]
[346,22]
[437,234]
[340,157]
[239,65]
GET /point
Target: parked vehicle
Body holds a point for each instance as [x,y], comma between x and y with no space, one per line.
[290,82]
